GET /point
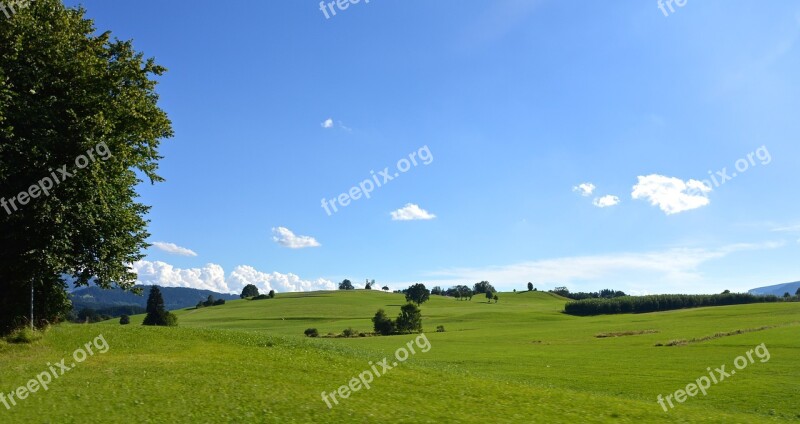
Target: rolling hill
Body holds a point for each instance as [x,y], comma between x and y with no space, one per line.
[520,360]
[778,289]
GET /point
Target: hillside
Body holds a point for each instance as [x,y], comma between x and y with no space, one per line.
[521,359]
[174,297]
[778,289]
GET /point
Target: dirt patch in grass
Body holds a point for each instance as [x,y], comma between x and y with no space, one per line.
[683,342]
[625,333]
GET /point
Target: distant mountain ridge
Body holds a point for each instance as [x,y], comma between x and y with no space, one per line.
[174,297]
[778,289]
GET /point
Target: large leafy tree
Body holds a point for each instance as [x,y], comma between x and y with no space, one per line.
[64,90]
[418,294]
[409,320]
[249,290]
[483,287]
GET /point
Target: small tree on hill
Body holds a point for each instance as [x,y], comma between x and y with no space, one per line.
[156,314]
[249,290]
[786,295]
[409,320]
[346,285]
[489,296]
[530,286]
[495,298]
[385,288]
[383,324]
[124,320]
[417,294]
[271,294]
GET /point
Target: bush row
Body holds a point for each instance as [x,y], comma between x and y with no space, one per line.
[662,302]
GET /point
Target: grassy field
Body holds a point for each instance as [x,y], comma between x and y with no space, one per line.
[520,360]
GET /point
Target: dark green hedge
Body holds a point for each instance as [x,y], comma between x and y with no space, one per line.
[661,302]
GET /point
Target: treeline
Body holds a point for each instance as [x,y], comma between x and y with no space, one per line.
[602,294]
[661,302]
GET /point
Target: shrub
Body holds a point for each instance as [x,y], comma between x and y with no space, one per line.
[163,318]
[663,302]
[311,332]
[382,324]
[440,329]
[271,294]
[24,335]
[219,302]
[261,297]
[171,320]
[349,332]
[124,320]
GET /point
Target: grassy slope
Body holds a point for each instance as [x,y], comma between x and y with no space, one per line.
[518,360]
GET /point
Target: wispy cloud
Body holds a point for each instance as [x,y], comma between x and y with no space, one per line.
[287,238]
[789,229]
[671,270]
[672,195]
[328,123]
[344,127]
[173,249]
[411,212]
[606,201]
[585,189]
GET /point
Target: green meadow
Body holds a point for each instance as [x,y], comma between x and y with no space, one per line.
[519,360]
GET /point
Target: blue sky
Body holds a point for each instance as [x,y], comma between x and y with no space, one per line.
[566,143]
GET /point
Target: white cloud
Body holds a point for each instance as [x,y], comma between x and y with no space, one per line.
[328,123]
[411,212]
[672,195]
[173,248]
[287,238]
[209,277]
[212,277]
[667,271]
[585,189]
[243,275]
[606,201]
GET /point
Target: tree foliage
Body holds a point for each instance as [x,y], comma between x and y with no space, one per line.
[418,294]
[409,320]
[65,88]
[662,302]
[249,290]
[156,314]
[346,285]
[483,287]
[602,294]
[530,286]
[382,324]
